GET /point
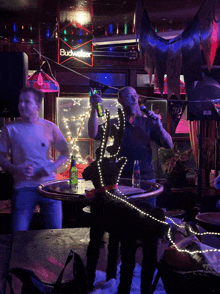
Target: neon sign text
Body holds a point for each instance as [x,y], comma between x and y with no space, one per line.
[72,53]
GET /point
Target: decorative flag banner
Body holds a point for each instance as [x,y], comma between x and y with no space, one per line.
[216,103]
[41,81]
[176,109]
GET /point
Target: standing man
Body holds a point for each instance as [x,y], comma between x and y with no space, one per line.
[139,131]
[29,140]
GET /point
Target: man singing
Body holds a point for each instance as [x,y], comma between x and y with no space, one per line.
[139,131]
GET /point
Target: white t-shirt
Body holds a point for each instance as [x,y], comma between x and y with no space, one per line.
[29,146]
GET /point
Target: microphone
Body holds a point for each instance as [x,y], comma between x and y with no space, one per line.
[144,110]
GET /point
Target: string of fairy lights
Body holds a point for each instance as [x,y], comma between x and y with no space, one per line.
[125,200]
[74,148]
[73,140]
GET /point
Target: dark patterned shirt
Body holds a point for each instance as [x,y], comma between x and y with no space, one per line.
[135,145]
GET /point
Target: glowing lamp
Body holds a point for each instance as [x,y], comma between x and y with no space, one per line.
[41,81]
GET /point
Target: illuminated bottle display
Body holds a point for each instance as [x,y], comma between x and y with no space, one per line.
[73,175]
[136,176]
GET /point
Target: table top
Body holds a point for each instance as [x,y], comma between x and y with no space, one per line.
[212,218]
[60,190]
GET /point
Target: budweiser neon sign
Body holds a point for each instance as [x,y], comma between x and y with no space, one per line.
[71,53]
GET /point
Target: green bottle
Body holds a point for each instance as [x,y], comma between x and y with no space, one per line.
[73,175]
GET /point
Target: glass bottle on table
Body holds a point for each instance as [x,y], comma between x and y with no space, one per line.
[73,175]
[136,175]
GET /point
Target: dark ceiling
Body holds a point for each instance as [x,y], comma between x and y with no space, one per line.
[163,13]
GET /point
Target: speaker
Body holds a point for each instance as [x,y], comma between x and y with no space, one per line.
[13,77]
[201,99]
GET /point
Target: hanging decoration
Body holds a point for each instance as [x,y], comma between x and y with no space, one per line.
[209,29]
[154,52]
[181,52]
[41,81]
[176,109]
[182,87]
[174,61]
[191,54]
[145,46]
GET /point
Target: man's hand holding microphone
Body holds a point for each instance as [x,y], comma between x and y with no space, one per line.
[151,114]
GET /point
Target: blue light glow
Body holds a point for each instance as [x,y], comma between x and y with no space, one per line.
[105,79]
[111,28]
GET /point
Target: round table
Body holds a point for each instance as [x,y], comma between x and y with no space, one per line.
[60,190]
[210,221]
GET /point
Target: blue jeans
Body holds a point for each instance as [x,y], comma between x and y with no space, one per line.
[24,202]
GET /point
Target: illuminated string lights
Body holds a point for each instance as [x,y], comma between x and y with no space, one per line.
[195,251]
[169,230]
[75,148]
[79,123]
[102,151]
[121,169]
[118,127]
[73,140]
[76,101]
[120,199]
[125,200]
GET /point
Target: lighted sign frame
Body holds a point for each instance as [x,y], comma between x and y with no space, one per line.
[67,52]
